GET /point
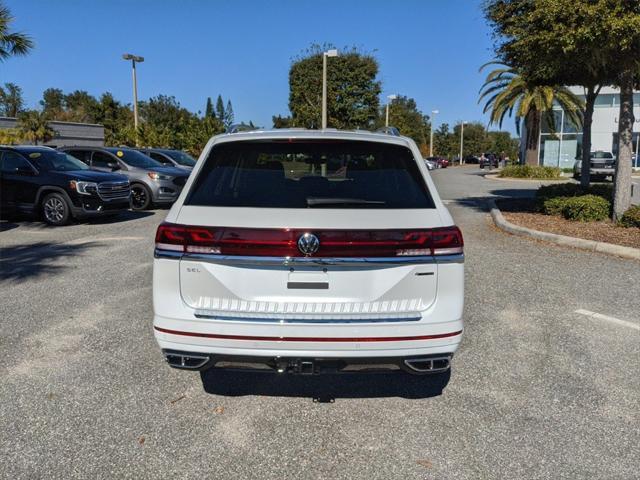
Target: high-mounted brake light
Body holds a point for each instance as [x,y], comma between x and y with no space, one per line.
[332,243]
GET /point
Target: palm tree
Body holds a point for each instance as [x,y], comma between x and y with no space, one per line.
[506,92]
[11,102]
[34,126]
[11,43]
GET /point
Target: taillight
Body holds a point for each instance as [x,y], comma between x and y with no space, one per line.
[332,243]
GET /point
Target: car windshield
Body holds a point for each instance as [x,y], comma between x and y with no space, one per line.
[56,161]
[310,174]
[601,155]
[133,158]
[181,157]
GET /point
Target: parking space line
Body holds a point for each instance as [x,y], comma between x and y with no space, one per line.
[607,318]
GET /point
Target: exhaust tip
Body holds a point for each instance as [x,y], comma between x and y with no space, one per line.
[186,361]
[428,364]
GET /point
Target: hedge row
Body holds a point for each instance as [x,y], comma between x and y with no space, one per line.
[631,217]
[583,208]
[538,172]
[589,204]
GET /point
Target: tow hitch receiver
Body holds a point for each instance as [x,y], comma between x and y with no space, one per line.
[298,366]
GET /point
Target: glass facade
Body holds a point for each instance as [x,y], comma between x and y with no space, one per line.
[560,143]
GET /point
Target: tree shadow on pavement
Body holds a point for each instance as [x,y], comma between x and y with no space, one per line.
[121,217]
[6,226]
[27,262]
[481,204]
[325,387]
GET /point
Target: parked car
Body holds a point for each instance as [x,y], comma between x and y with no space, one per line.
[151,182]
[489,160]
[41,180]
[431,165]
[170,158]
[443,162]
[472,159]
[602,165]
[269,259]
[439,161]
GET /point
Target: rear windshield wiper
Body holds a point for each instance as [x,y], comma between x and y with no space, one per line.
[323,201]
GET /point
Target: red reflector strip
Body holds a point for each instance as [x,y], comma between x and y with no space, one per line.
[308,339]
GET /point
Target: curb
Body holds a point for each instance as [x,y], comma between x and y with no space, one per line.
[590,245]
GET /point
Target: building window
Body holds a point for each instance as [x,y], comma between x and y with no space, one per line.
[561,145]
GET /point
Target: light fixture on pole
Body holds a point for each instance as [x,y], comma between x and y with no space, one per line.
[134,59]
[462,124]
[391,98]
[328,53]
[433,117]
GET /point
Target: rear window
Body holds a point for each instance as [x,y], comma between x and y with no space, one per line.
[310,174]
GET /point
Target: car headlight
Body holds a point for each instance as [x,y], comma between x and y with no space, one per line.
[84,188]
[159,176]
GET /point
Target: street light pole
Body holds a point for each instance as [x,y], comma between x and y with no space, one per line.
[134,59]
[462,124]
[391,98]
[433,117]
[328,53]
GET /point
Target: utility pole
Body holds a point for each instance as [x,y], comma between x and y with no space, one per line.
[391,98]
[462,124]
[325,55]
[433,118]
[134,59]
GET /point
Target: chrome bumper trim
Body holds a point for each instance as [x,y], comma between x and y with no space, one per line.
[249,261]
[288,320]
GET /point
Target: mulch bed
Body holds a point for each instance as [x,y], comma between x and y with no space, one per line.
[522,212]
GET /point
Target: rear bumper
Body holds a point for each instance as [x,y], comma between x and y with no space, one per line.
[314,341]
[419,365]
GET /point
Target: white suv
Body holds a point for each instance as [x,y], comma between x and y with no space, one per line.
[307,251]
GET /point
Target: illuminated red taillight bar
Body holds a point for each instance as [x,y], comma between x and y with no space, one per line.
[333,243]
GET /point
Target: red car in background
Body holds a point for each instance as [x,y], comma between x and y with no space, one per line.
[441,162]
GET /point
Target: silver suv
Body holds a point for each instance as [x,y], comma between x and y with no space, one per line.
[602,165]
[151,182]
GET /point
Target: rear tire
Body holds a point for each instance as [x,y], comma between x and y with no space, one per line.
[140,197]
[55,210]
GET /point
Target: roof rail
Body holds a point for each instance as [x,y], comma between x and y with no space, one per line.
[389,131]
[241,127]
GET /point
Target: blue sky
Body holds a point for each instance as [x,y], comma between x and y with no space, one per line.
[429,50]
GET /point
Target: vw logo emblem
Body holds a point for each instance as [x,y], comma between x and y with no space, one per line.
[308,244]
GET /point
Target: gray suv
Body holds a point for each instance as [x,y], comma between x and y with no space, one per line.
[151,182]
[170,158]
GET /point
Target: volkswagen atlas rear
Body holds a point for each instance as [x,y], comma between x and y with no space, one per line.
[309,251]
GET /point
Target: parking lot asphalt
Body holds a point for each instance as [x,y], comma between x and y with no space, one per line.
[536,390]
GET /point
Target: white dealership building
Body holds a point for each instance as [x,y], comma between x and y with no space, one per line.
[560,149]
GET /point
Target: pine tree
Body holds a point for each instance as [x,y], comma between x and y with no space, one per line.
[220,109]
[228,115]
[209,110]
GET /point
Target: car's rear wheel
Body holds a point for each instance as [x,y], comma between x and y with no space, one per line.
[56,210]
[140,197]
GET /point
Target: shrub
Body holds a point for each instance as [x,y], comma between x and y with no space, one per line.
[631,217]
[574,190]
[586,208]
[530,171]
[554,205]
